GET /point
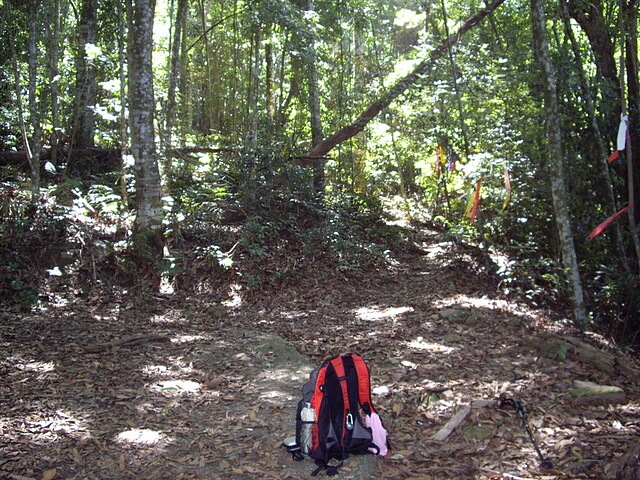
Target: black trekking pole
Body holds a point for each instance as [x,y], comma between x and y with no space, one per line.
[519,408]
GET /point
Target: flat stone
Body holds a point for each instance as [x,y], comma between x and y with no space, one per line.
[478,432]
[591,394]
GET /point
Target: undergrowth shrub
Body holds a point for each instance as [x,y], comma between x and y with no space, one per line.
[29,236]
[272,228]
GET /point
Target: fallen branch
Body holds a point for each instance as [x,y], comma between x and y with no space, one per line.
[451,425]
[322,148]
[126,342]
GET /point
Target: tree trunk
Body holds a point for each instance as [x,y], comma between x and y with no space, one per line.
[325,146]
[12,157]
[317,133]
[590,17]
[269,91]
[148,221]
[174,71]
[254,91]
[36,129]
[205,115]
[124,12]
[630,17]
[54,57]
[456,86]
[84,124]
[554,141]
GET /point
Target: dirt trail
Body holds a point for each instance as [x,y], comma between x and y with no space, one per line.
[209,388]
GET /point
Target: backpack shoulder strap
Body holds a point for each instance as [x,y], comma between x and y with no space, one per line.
[316,401]
[364,384]
[338,365]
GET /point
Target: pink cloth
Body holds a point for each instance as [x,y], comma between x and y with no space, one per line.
[379,433]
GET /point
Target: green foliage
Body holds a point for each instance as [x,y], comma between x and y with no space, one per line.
[15,288]
[290,227]
[29,237]
[536,280]
[281,228]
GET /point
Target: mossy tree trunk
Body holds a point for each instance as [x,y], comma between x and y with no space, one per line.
[554,150]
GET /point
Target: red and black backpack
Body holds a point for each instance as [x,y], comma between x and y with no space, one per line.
[329,420]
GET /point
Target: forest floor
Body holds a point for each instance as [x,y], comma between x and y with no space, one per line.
[179,386]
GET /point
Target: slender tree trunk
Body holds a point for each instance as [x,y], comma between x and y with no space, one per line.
[254,92]
[317,133]
[54,58]
[269,91]
[325,146]
[174,69]
[174,72]
[205,115]
[554,141]
[17,81]
[84,124]
[124,12]
[456,86]
[185,107]
[34,114]
[148,222]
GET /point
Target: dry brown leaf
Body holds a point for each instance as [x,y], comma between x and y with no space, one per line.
[213,383]
[49,474]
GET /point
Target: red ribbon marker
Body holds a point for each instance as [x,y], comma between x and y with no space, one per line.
[604,225]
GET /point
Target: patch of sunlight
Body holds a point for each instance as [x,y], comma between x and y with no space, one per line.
[56,301]
[401,69]
[189,338]
[487,303]
[47,426]
[141,436]
[271,394]
[378,313]
[155,370]
[235,299]
[630,408]
[176,386]
[294,315]
[166,319]
[166,285]
[67,423]
[381,390]
[285,375]
[420,344]
[437,250]
[409,364]
[409,19]
[180,364]
[40,367]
